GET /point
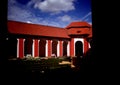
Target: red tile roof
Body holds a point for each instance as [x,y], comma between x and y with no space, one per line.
[38,30]
[78,24]
[78,31]
[79,28]
[75,28]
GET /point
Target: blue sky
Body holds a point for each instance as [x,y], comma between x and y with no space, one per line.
[58,13]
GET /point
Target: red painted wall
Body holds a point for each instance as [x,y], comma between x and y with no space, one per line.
[72,47]
[36,48]
[21,48]
[61,48]
[86,46]
[49,48]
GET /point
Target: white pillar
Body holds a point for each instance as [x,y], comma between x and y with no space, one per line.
[38,47]
[58,48]
[46,48]
[18,48]
[33,48]
[68,48]
[89,45]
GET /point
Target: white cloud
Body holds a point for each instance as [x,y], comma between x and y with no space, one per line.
[21,14]
[53,6]
[65,18]
[32,2]
[29,22]
[12,2]
[15,12]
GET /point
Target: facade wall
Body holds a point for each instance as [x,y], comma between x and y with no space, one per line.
[37,44]
[61,48]
[72,47]
[64,48]
[86,45]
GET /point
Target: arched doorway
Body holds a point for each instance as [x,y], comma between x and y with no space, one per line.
[42,49]
[78,48]
[28,46]
[65,48]
[54,47]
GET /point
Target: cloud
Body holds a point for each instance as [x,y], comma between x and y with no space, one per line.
[15,12]
[29,22]
[65,18]
[20,13]
[12,2]
[53,6]
[32,2]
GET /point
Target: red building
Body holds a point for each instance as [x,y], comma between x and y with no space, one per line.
[43,41]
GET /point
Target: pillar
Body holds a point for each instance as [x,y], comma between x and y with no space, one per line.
[49,48]
[72,47]
[20,48]
[68,48]
[61,48]
[35,47]
[86,45]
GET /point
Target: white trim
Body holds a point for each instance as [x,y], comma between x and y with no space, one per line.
[89,45]
[17,47]
[33,48]
[46,48]
[18,42]
[23,47]
[58,49]
[68,48]
[78,39]
[51,47]
[38,47]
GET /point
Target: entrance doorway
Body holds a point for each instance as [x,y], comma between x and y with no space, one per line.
[78,48]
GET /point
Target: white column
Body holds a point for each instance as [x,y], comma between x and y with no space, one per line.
[24,46]
[17,47]
[68,48]
[89,45]
[58,48]
[46,48]
[38,47]
[33,48]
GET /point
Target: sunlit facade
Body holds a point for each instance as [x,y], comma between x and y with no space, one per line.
[45,41]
